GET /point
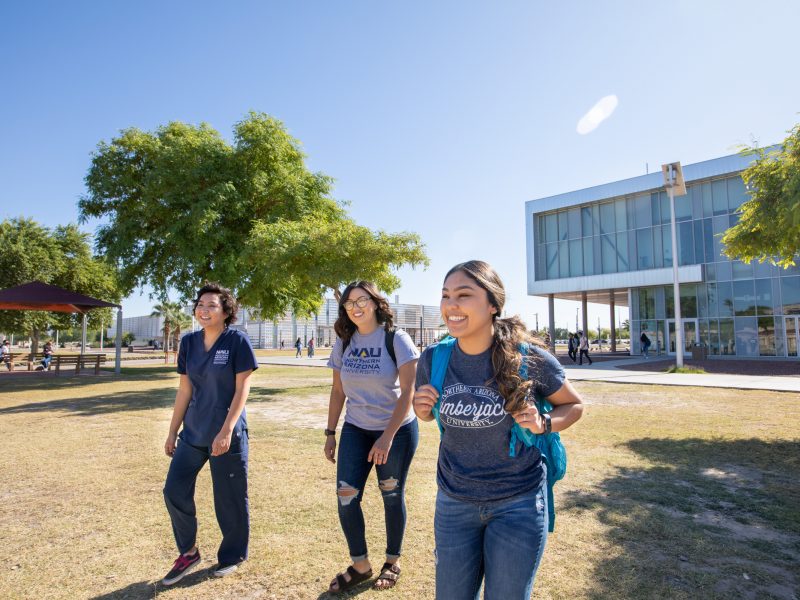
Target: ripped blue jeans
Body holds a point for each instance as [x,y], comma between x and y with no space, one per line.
[352,471]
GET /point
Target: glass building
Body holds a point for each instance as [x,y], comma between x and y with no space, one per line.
[611,244]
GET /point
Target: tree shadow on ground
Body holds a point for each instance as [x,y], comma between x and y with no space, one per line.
[49,381]
[148,589]
[123,401]
[709,519]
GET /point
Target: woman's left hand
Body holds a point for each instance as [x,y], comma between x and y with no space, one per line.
[379,453]
[221,443]
[530,419]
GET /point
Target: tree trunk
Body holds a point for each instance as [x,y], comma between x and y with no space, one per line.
[34,340]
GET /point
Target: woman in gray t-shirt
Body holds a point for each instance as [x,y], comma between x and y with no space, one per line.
[491,515]
[374,367]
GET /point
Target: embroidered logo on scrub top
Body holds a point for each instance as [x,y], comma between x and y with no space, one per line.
[221,357]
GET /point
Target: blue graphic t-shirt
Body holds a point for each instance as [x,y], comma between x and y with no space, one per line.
[474,465]
[213,378]
[370,378]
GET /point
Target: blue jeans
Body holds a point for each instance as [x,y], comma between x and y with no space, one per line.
[231,504]
[352,471]
[502,541]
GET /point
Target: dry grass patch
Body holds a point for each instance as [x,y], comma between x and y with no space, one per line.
[670,493]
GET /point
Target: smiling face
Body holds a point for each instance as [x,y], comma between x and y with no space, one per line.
[363,317]
[466,311]
[209,311]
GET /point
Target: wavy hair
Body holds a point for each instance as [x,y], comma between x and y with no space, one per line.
[509,333]
[230,305]
[345,328]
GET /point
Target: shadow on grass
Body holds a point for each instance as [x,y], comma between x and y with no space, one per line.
[709,519]
[357,590]
[148,589]
[49,381]
[132,401]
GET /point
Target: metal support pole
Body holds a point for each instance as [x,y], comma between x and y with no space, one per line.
[83,335]
[551,321]
[675,284]
[613,339]
[118,343]
[585,311]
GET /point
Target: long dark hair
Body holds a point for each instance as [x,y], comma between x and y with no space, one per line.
[345,328]
[509,333]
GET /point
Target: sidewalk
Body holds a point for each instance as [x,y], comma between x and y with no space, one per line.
[614,371]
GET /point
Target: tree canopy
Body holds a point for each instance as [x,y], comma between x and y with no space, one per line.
[60,256]
[769,223]
[184,206]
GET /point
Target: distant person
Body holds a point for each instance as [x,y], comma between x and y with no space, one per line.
[298,346]
[572,347]
[282,344]
[47,355]
[310,351]
[6,353]
[645,344]
[584,348]
[215,365]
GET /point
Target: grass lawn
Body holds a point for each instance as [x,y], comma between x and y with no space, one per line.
[670,493]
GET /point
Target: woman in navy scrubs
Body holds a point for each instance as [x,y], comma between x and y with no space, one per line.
[215,365]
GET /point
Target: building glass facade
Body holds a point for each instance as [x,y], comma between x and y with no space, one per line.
[738,309]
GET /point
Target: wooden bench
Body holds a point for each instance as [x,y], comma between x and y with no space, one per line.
[21,359]
[81,361]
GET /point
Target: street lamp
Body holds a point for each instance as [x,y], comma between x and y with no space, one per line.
[673,181]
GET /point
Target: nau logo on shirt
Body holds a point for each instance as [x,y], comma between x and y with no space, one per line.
[471,406]
[221,357]
[366,352]
[362,360]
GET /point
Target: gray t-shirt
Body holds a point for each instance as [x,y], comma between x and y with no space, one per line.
[370,378]
[474,465]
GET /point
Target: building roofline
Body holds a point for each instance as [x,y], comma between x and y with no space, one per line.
[706,169]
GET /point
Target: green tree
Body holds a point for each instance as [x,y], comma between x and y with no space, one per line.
[61,256]
[183,206]
[769,222]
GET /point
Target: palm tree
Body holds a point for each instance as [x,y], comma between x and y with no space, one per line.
[181,322]
[170,312]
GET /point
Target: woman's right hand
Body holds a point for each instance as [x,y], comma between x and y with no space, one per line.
[170,444]
[330,448]
[424,400]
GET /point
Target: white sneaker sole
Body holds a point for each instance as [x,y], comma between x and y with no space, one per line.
[177,578]
[226,571]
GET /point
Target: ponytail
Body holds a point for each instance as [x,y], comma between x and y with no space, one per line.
[509,333]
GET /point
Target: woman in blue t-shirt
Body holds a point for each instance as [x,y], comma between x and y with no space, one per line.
[373,372]
[491,515]
[215,365]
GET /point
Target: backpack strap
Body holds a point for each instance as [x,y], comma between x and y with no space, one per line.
[439,362]
[389,343]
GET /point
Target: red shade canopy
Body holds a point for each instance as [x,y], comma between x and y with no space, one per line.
[41,296]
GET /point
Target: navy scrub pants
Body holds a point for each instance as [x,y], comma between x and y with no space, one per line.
[229,478]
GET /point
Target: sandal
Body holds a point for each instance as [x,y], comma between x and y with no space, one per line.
[345,585]
[390,573]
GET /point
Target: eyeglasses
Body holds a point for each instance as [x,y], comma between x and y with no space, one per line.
[359,302]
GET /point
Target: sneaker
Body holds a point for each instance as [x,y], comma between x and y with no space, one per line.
[182,567]
[222,570]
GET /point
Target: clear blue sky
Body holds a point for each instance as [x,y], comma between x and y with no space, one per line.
[437,117]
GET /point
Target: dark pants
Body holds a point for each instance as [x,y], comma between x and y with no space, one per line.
[572,354]
[353,470]
[229,479]
[586,354]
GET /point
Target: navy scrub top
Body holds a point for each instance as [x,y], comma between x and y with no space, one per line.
[213,378]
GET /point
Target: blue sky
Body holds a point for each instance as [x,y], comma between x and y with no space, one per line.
[437,117]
